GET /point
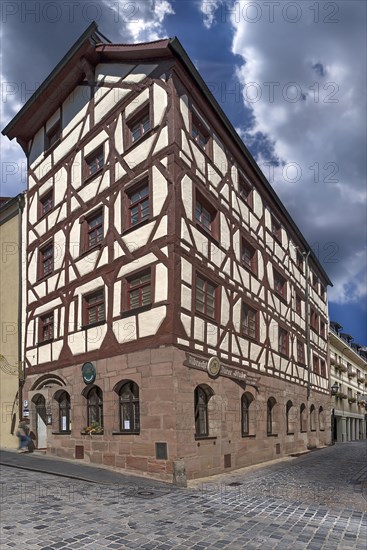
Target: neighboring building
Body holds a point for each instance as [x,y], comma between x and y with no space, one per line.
[10,315]
[168,287]
[348,369]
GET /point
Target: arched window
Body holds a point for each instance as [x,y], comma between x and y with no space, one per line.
[128,393]
[201,398]
[321,419]
[302,418]
[288,417]
[312,418]
[246,401]
[95,406]
[270,415]
[63,399]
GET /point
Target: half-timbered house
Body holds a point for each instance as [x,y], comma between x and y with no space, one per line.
[175,314]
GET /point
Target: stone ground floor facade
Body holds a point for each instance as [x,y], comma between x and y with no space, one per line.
[159,411]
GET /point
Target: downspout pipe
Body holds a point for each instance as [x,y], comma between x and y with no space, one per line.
[308,342]
[21,202]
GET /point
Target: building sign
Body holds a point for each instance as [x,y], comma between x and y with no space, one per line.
[215,368]
[88,373]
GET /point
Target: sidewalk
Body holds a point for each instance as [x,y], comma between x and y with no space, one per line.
[71,469]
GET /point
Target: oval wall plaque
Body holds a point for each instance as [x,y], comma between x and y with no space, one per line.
[213,367]
[88,373]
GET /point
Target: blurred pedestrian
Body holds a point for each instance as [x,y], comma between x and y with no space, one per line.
[23,436]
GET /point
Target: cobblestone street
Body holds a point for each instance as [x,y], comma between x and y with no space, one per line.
[316,501]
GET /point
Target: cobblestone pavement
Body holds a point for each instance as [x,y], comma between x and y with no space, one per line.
[316,501]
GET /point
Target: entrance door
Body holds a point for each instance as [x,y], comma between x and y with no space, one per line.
[41,427]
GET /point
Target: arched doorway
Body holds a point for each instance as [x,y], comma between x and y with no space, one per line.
[41,421]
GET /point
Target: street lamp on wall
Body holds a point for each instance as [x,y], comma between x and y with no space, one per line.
[334,388]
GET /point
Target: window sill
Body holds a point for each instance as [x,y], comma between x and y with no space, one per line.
[281,297]
[92,249]
[290,433]
[126,433]
[205,438]
[52,147]
[249,270]
[44,216]
[66,432]
[272,435]
[206,317]
[88,433]
[207,233]
[44,342]
[248,436]
[44,277]
[303,431]
[277,239]
[92,325]
[284,355]
[131,144]
[135,311]
[136,226]
[91,177]
[251,338]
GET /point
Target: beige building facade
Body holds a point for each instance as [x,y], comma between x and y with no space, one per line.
[348,372]
[10,296]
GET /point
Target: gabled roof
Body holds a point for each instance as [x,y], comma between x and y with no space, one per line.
[92,48]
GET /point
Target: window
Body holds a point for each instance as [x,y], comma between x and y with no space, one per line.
[205,215]
[299,260]
[46,260]
[94,229]
[249,321]
[316,364]
[139,124]
[300,352]
[314,320]
[63,400]
[129,407]
[244,189]
[53,135]
[201,399]
[139,290]
[94,162]
[302,418]
[321,419]
[276,229]
[249,259]
[322,291]
[288,417]
[280,285]
[205,297]
[246,401]
[298,305]
[46,327]
[323,368]
[46,203]
[315,281]
[199,133]
[95,406]
[322,329]
[139,206]
[94,308]
[283,341]
[312,418]
[270,415]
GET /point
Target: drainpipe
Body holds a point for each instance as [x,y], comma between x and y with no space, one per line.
[20,303]
[307,295]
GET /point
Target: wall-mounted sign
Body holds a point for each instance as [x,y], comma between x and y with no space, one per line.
[88,373]
[213,367]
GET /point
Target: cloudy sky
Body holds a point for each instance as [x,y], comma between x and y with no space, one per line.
[291,76]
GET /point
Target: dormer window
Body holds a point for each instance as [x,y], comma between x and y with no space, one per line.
[53,135]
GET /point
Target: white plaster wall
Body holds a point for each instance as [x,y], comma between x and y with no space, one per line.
[219,155]
[186,297]
[140,72]
[137,102]
[162,140]
[199,328]
[184,107]
[139,263]
[160,191]
[150,321]
[125,329]
[159,104]
[119,143]
[139,153]
[186,271]
[75,107]
[161,283]
[37,148]
[112,72]
[186,195]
